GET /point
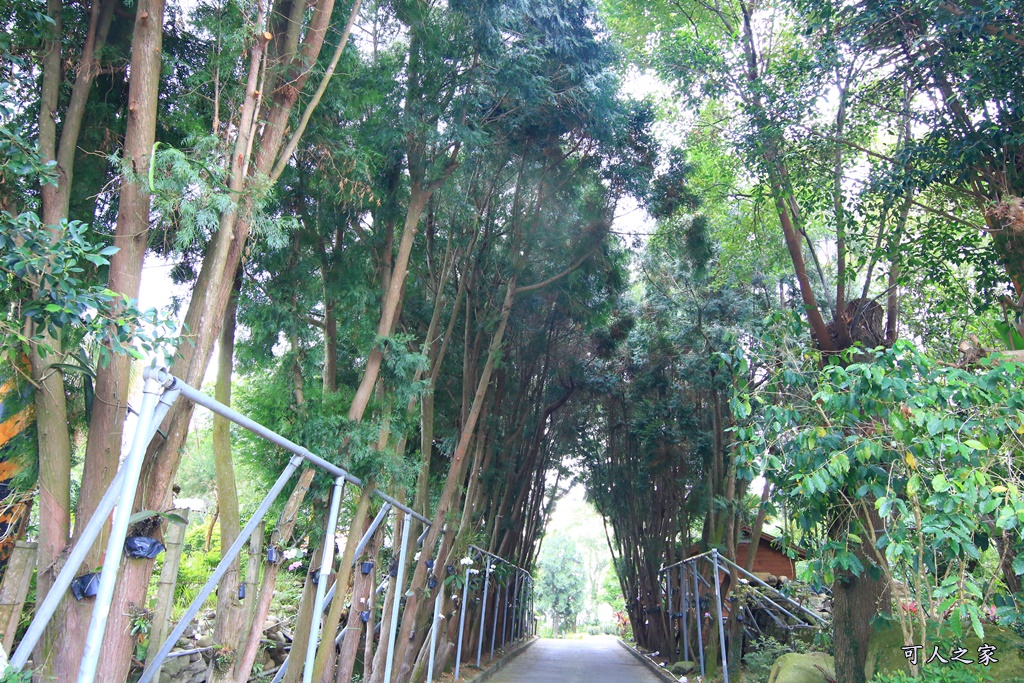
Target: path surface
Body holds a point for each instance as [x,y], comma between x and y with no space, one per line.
[598,659]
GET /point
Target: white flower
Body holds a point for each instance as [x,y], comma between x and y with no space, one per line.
[466,561]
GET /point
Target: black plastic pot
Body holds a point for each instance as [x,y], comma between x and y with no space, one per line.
[364,616]
[273,555]
[85,586]
[241,591]
[432,582]
[393,571]
[316,578]
[450,569]
[429,563]
[142,547]
[366,567]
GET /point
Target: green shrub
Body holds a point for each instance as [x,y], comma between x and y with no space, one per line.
[764,651]
[940,673]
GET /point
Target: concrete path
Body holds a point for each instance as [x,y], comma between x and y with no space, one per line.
[595,659]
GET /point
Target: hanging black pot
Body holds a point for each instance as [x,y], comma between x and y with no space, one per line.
[85,586]
[366,567]
[364,616]
[316,578]
[393,571]
[450,569]
[432,582]
[142,547]
[241,591]
[273,555]
[429,563]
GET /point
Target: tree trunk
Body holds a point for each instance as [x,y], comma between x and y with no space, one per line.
[409,642]
[59,651]
[392,299]
[231,612]
[362,600]
[855,602]
[213,287]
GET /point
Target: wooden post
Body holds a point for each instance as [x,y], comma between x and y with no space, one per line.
[14,589]
[165,588]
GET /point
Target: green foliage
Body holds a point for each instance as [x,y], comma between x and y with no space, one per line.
[762,655]
[561,584]
[11,675]
[51,280]
[938,673]
[927,447]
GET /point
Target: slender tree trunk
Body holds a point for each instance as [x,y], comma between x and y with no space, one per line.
[231,612]
[409,642]
[297,44]
[59,652]
[389,307]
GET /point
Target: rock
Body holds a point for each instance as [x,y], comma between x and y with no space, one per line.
[205,640]
[264,661]
[885,652]
[683,667]
[810,667]
[166,677]
[174,665]
[271,622]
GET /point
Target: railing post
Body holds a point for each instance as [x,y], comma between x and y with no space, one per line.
[504,617]
[497,610]
[721,626]
[399,582]
[699,617]
[515,607]
[118,529]
[433,632]
[683,606]
[46,609]
[462,623]
[668,592]
[321,585]
[483,611]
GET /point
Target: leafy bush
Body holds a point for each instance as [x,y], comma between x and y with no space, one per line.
[938,674]
[763,654]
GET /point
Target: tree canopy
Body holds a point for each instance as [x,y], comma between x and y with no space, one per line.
[405,230]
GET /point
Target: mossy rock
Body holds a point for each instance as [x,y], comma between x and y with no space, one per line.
[682,667]
[807,667]
[885,652]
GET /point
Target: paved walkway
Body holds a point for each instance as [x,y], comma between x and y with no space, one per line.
[596,659]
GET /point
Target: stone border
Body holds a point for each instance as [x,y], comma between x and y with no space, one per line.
[493,668]
[649,663]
